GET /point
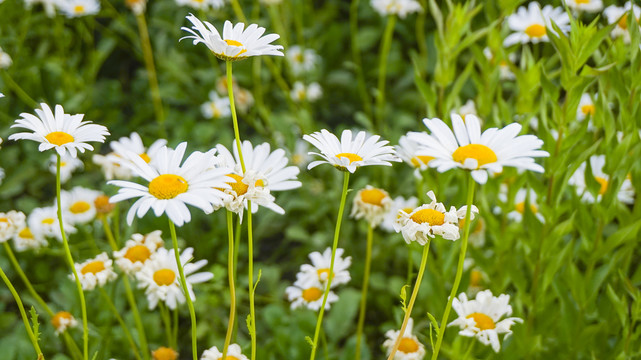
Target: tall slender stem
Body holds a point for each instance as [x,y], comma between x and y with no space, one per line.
[232,287]
[19,91]
[65,243]
[230,90]
[252,287]
[183,284]
[122,323]
[337,231]
[459,269]
[361,315]
[164,314]
[410,306]
[382,71]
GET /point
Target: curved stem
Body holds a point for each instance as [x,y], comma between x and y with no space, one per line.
[122,323]
[252,287]
[410,306]
[337,231]
[183,284]
[361,314]
[459,269]
[65,243]
[230,90]
[382,70]
[232,288]
[19,91]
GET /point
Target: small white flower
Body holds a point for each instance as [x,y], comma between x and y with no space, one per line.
[625,194]
[371,204]
[318,271]
[77,8]
[401,8]
[62,321]
[244,99]
[531,24]
[126,145]
[234,352]
[137,251]
[68,165]
[78,205]
[585,5]
[586,107]
[619,15]
[10,224]
[409,348]
[44,222]
[5,60]
[217,107]
[202,4]
[407,150]
[311,92]
[481,317]
[399,203]
[302,60]
[519,203]
[504,65]
[310,296]
[24,239]
[95,272]
[301,157]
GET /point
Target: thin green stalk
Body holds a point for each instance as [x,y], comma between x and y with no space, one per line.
[174,332]
[252,287]
[25,319]
[410,306]
[230,90]
[19,91]
[361,315]
[382,71]
[459,269]
[356,58]
[232,287]
[164,314]
[337,231]
[65,243]
[122,323]
[183,284]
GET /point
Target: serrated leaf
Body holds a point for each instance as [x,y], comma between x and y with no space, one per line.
[309,341]
[34,322]
[404,297]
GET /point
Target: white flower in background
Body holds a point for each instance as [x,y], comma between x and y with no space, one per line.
[137,251]
[585,5]
[5,60]
[77,8]
[301,60]
[1,95]
[300,92]
[161,280]
[68,165]
[318,271]
[44,222]
[409,348]
[24,239]
[217,107]
[519,203]
[371,204]
[407,150]
[126,145]
[469,108]
[625,194]
[95,272]
[202,4]
[399,203]
[78,205]
[234,352]
[468,149]
[62,132]
[534,125]
[49,6]
[310,296]
[401,8]
[586,107]
[429,220]
[481,317]
[504,65]
[348,153]
[619,15]
[301,155]
[62,321]
[237,43]
[531,24]
[10,223]
[244,100]
[137,6]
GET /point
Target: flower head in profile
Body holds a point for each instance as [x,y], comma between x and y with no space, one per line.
[68,164]
[407,150]
[302,60]
[78,205]
[310,296]
[619,15]
[237,43]
[467,148]
[371,204]
[217,107]
[95,272]
[429,220]
[349,153]
[137,251]
[78,8]
[531,24]
[625,194]
[318,270]
[164,353]
[481,317]
[63,132]
[586,107]
[116,164]
[585,5]
[400,8]
[233,352]
[409,348]
[301,92]
[399,203]
[62,321]
[10,224]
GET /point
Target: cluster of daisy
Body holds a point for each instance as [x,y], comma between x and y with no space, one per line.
[303,64]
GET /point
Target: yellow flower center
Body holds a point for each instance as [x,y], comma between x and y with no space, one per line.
[80,207]
[623,22]
[325,271]
[482,154]
[56,321]
[102,204]
[604,184]
[407,210]
[4,220]
[520,207]
[93,267]
[59,138]
[138,253]
[239,187]
[165,353]
[478,228]
[168,186]
[312,294]
[373,196]
[536,31]
[475,278]
[421,159]
[145,157]
[430,216]
[236,43]
[482,321]
[408,345]
[79,9]
[48,221]
[164,277]
[26,233]
[588,109]
[351,156]
[582,1]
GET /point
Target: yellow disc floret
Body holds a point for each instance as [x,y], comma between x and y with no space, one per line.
[145,157]
[59,138]
[26,233]
[482,321]
[164,353]
[164,277]
[481,153]
[168,186]
[604,184]
[373,196]
[588,109]
[312,294]
[93,267]
[430,216]
[421,159]
[57,319]
[80,207]
[536,31]
[520,207]
[138,253]
[236,43]
[408,345]
[350,156]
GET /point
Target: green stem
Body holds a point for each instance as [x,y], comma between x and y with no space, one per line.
[19,91]
[183,284]
[459,269]
[361,315]
[382,70]
[232,288]
[337,231]
[122,323]
[164,314]
[356,58]
[410,306]
[252,287]
[230,90]
[65,243]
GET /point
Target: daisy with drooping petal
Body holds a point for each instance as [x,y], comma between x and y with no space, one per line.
[137,251]
[95,272]
[409,348]
[430,220]
[318,271]
[24,239]
[585,5]
[619,15]
[401,8]
[10,223]
[44,222]
[60,131]
[301,92]
[78,205]
[407,150]
[467,148]
[161,281]
[371,204]
[237,43]
[531,24]
[173,184]
[349,153]
[77,8]
[68,164]
[586,107]
[625,194]
[164,353]
[234,352]
[5,60]
[481,317]
[310,296]
[301,60]
[217,107]
[399,203]
[62,321]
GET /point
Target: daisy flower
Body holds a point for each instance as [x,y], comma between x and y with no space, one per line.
[481,317]
[302,60]
[301,92]
[409,348]
[103,206]
[504,65]
[477,232]
[137,6]
[399,203]
[24,239]
[44,222]
[244,100]
[1,95]
[233,353]
[133,143]
[164,353]
[469,108]
[62,321]
[202,4]
[217,107]
[585,5]
[137,251]
[60,131]
[5,60]
[430,220]
[173,184]
[10,223]
[619,15]
[78,204]
[161,281]
[237,43]
[318,271]
[371,204]
[301,157]
[348,154]
[531,24]
[310,296]
[468,149]
[68,164]
[625,194]
[96,271]
[401,8]
[519,204]
[407,150]
[111,167]
[586,107]
[77,8]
